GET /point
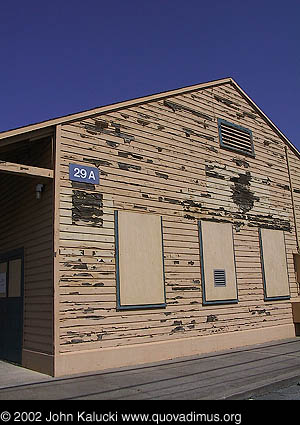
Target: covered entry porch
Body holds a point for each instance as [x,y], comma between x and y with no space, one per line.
[26,251]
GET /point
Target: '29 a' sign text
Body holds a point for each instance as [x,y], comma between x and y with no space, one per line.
[83,173]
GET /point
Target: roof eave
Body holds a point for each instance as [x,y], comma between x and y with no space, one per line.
[107,108]
[132,102]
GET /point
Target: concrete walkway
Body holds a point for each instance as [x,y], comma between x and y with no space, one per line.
[232,374]
[11,375]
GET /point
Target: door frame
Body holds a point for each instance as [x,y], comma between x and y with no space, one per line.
[7,257]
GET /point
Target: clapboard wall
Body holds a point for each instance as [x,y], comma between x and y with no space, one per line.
[163,157]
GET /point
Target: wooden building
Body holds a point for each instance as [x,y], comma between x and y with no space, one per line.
[145,230]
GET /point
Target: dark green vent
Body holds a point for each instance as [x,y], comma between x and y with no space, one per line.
[219,277]
[235,137]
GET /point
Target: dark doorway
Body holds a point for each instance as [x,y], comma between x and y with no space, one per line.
[11,305]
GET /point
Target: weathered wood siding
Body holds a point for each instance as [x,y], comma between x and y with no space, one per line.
[164,157]
[27,223]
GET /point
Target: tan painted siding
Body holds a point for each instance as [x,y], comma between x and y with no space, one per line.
[164,158]
[27,223]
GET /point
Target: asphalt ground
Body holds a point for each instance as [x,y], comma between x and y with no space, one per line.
[246,373]
[291,392]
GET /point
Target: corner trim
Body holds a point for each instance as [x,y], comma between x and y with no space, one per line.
[56,195]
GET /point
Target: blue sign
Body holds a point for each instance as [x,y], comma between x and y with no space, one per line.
[83,173]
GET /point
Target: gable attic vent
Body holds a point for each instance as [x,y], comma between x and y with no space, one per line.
[235,137]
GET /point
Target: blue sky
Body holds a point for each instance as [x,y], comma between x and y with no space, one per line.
[60,57]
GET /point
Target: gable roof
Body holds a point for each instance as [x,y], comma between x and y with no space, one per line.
[133,102]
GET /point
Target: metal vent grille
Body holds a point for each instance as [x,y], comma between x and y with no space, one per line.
[219,277]
[235,137]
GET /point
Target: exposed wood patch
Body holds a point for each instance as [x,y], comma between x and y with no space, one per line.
[283,186]
[211,318]
[162,175]
[269,222]
[143,122]
[246,114]
[177,107]
[226,101]
[126,154]
[241,193]
[83,186]
[270,142]
[127,167]
[112,144]
[97,162]
[87,207]
[190,132]
[259,311]
[185,288]
[241,162]
[106,129]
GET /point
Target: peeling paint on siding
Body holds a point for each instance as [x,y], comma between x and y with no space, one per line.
[242,196]
[87,207]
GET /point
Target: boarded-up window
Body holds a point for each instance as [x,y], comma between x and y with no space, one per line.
[217,263]
[274,265]
[139,260]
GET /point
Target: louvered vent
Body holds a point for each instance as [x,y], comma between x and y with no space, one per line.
[235,137]
[219,277]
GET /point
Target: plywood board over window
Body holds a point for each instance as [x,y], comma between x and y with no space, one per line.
[274,264]
[139,260]
[217,263]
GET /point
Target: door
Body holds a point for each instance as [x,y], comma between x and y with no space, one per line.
[11,305]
